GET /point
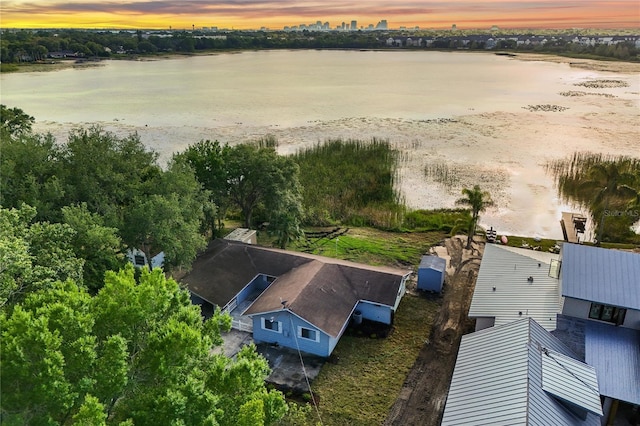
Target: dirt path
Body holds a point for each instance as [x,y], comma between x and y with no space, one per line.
[423,395]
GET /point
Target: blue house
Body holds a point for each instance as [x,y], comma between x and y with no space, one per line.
[295,300]
[431,273]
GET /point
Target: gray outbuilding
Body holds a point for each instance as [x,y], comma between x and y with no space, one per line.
[431,273]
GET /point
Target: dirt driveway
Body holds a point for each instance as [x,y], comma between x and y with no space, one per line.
[423,395]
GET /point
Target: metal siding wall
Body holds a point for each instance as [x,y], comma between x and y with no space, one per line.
[430,279]
[632,319]
[484,322]
[576,308]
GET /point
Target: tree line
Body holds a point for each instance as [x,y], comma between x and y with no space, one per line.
[27,46]
[86,340]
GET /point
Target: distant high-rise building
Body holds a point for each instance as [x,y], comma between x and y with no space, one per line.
[354,25]
[454,27]
[382,25]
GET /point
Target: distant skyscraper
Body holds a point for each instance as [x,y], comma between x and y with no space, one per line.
[354,25]
[382,25]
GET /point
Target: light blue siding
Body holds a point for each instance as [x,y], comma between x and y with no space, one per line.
[288,334]
[258,284]
[431,273]
[375,312]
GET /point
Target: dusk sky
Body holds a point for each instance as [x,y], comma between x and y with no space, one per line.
[275,14]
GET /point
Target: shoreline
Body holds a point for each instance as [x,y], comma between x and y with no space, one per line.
[600,65]
[503,147]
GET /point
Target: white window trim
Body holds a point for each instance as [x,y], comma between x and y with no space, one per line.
[263,320]
[317,339]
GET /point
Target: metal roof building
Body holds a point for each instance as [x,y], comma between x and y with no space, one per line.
[519,374]
[615,354]
[601,275]
[514,283]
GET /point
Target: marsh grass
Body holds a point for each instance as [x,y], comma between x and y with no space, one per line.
[351,182]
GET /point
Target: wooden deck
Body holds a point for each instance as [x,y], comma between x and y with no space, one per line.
[573,226]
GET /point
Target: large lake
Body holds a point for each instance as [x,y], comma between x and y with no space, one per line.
[475,111]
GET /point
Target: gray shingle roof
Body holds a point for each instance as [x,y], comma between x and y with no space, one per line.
[497,379]
[325,294]
[321,290]
[607,276]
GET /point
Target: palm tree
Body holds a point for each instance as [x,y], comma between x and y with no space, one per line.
[609,184]
[478,201]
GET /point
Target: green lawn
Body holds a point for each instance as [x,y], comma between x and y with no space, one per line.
[361,388]
[375,247]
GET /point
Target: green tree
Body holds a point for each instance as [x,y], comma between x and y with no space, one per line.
[15,121]
[477,201]
[106,172]
[609,184]
[257,177]
[99,245]
[33,255]
[207,161]
[167,217]
[30,173]
[138,352]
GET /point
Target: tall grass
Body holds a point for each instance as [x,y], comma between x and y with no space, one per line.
[352,182]
[607,185]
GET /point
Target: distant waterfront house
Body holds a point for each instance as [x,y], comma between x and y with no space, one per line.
[139,259]
[520,374]
[295,300]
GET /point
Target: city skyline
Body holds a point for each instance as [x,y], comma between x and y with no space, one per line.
[255,14]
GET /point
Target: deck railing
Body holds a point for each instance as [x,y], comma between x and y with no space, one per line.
[242,325]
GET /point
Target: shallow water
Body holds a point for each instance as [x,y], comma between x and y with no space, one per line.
[470,110]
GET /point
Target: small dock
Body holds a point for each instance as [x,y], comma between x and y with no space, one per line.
[573,227]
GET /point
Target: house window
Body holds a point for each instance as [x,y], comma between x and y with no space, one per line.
[607,313]
[309,334]
[272,325]
[139,260]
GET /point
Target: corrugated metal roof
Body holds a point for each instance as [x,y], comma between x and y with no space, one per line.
[570,380]
[508,269]
[497,379]
[600,275]
[615,354]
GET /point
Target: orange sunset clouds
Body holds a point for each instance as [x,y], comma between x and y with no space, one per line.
[275,14]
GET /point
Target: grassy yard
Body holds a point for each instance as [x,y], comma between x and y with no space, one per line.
[365,382]
[376,247]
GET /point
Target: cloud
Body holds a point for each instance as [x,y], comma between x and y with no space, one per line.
[293,12]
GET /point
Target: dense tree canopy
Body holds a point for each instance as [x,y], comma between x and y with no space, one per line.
[251,178]
[125,195]
[136,352]
[34,255]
